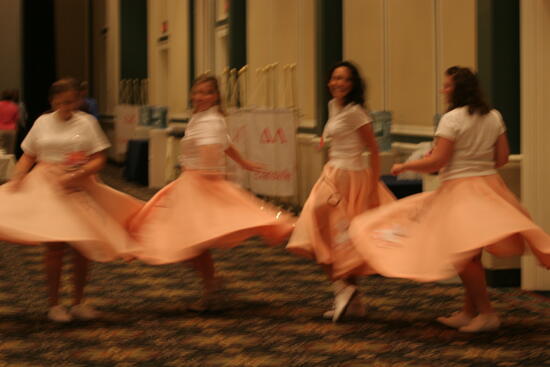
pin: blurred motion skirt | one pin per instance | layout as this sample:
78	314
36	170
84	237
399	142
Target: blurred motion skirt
92	219
430	236
197	212
322	230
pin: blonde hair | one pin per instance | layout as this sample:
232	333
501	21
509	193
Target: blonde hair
209	78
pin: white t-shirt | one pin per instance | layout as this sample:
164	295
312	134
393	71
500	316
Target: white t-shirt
474	139
53	140
205	130
346	145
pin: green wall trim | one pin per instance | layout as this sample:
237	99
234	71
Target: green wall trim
133	39
191	43
237	34
329	51
498	23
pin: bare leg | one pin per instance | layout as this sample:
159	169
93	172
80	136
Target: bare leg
53	262
211	284
469	307
345	290
352	280
80	276
477	297
204	265
328	271
327	268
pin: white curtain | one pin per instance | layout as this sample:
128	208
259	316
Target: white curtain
126	119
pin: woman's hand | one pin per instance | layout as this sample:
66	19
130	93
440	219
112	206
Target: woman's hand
397	169
72	180
24	164
253	166
14	184
234	154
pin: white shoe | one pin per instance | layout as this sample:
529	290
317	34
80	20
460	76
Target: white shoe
343	294
456	320
85	312
59	313
356	308
482	322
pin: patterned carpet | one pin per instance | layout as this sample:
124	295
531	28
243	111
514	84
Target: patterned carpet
271	317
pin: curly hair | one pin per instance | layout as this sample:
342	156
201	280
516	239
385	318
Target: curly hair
358	90
466	91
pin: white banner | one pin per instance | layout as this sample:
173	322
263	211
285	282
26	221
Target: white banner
237	126
126	119
267	136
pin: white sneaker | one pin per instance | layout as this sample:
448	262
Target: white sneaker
343	294
85	312
59	313
482	322
456	320
356	308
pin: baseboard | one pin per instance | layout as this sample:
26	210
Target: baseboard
503	277
426	131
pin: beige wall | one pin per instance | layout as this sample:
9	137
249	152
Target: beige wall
71	38
283	31
363	43
457	37
204	36
278	31
110	88
403	47
535	131
10	44
411	62
169	61
99	44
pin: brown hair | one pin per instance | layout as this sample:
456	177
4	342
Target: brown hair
466	91
358	89
64	85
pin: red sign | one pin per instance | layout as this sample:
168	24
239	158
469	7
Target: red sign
268	138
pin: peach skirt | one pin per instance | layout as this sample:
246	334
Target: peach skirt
91	220
430	236
195	213
321	232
